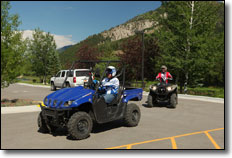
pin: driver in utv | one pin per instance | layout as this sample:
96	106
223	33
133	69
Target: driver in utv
163	76
110	85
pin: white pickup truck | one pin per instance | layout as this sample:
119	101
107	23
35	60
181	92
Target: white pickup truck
77	77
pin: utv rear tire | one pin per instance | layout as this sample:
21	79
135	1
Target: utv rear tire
53	87
132	115
173	101
80	125
41	124
150	101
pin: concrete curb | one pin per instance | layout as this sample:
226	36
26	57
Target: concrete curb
196	97
35	108
26	84
20	109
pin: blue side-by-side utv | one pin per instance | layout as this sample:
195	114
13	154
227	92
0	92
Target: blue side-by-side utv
78	108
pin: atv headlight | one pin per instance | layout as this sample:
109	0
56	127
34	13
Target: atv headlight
169	88
153	88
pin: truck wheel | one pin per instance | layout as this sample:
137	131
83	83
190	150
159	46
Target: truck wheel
132	115
41	124
67	85
149	101
80	125
53	87
173	101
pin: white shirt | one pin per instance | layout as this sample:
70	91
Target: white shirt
111	86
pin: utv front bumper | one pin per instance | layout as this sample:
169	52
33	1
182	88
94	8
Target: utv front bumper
54	117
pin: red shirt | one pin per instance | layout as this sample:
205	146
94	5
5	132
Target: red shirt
164	75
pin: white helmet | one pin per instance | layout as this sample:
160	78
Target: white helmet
111	70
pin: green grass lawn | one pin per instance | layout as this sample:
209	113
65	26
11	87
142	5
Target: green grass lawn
18	102
31	80
207	91
203	91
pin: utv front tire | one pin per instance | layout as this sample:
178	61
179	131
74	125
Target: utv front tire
150	101
80	125
173	101
132	115
41	124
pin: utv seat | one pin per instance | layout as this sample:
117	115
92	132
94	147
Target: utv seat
117	98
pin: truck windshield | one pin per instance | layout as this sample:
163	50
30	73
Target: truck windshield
82	73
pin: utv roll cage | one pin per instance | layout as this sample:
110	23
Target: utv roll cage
92	64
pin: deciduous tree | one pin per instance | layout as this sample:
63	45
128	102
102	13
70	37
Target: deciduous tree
185	31
12	46
45	58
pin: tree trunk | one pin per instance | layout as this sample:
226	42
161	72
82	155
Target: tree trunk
181	88
188	47
186	83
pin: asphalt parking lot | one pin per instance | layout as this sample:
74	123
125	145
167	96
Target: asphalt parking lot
192	125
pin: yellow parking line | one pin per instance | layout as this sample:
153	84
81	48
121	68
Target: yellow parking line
174	146
149	141
197	132
128	146
212	140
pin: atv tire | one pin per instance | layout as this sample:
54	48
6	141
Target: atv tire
150	101
173	101
53	87
132	115
80	125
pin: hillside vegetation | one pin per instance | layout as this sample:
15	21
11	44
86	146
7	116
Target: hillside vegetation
194	54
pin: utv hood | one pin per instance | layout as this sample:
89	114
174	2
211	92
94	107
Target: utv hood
61	96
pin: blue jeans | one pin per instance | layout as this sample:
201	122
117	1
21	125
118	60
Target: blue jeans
108	97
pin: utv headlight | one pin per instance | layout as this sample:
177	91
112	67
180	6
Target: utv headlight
169	88
54	103
46	100
68	103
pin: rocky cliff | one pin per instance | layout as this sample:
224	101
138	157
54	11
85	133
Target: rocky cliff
127	29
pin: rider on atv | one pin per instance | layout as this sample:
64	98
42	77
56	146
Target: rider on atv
164	76
163	92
